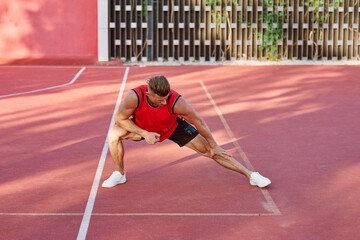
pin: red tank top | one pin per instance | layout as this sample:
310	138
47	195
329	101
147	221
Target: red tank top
151	118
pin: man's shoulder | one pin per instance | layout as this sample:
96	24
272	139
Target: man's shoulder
141	87
172	91
140	91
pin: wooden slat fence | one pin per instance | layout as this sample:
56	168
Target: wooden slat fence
230	30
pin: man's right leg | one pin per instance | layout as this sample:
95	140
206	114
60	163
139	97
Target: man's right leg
115	137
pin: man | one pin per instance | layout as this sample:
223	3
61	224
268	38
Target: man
160	113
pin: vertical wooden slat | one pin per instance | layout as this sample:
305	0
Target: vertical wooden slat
317	29
186	23
350	39
285	30
243	30
171	32
127	30
330	36
347	53
160	25
112	29
326	33
166	30
281	46
250	43
216	38
155	36
130	36
144	32
202	31
191	31
137	30
160	32
149	31
336	36
207	11
176	17
197	20
138	42
133	35
306	33
246	26
356	30
342	28
291	37
122	30
301	34
233	20
296	30
212	34
228	32
353	30
254	31
181	31
223	29
238	28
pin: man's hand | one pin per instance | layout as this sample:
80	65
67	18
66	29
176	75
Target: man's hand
218	151
152	137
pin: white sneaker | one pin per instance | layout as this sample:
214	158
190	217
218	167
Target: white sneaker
257	180
115	179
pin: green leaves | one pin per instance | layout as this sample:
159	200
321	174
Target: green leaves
273	33
220	16
319	16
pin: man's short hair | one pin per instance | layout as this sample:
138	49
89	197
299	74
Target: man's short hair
159	85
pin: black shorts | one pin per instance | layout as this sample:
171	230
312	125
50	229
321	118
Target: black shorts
183	133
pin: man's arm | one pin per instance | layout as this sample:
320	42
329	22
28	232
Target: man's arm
190	115
126	109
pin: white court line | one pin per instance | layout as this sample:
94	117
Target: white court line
59	66
39	66
41	214
265	192
90	204
185	214
48	88
140	214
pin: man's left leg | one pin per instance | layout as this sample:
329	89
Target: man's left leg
200	145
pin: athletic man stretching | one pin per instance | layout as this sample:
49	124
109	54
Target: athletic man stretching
158	113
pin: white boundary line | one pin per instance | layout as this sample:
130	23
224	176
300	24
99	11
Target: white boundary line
140	214
41	214
60	66
40	66
265	192
183	214
48	88
90	203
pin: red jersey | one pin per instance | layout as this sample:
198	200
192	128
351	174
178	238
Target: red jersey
157	119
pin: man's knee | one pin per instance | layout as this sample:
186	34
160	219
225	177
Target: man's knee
200	145
116	133
205	151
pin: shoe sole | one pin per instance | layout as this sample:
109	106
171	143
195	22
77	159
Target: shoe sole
110	186
260	186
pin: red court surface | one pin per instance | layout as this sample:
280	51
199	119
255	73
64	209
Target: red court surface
297	125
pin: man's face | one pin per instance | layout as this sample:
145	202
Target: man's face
157	100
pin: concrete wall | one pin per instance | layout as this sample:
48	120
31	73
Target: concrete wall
48	29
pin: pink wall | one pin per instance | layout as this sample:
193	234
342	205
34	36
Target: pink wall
48	29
